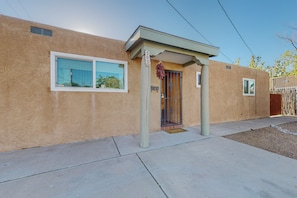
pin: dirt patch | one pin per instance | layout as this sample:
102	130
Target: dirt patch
271	139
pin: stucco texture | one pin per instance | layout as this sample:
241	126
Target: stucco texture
33	115
227	102
283	82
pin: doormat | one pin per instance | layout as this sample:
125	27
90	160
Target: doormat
176	130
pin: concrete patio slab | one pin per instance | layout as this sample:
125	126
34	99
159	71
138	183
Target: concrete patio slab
130	144
23	163
119	177
175	165
218	167
228	128
221	130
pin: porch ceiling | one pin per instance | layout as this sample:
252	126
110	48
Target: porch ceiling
173	57
167	47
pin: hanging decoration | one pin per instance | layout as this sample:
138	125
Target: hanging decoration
160	70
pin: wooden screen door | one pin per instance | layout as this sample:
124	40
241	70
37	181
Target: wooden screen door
171	99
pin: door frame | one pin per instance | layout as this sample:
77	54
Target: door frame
171	106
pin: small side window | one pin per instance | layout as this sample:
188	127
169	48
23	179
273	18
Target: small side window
198	79
249	87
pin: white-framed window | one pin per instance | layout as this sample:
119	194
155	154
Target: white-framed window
249	87
71	72
198	79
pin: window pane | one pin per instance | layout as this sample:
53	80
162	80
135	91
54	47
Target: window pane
47	32
252	86
198	79
35	30
109	75
246	86
42	31
74	73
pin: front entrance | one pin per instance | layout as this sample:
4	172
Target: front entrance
171	99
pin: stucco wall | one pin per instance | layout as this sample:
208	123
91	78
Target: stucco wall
282	82
227	102
33	115
191	96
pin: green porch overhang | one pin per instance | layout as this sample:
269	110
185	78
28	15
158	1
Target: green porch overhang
168	48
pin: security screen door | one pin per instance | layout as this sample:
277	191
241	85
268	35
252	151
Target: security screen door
171	100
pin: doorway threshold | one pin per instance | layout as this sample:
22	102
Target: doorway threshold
167	127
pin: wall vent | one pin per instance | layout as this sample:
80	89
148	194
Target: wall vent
228	67
41	31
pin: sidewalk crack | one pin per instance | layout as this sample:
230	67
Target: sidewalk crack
116	146
152	176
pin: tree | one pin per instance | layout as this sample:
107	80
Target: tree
279	69
237	61
257	63
287	61
290	59
112	82
108	82
285	65
291	39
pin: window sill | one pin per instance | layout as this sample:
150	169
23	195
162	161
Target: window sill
72	89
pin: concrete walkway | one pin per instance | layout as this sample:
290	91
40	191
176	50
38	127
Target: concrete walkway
175	165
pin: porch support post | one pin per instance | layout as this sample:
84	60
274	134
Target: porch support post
204	101
145	85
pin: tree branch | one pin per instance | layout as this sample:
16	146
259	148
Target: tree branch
293	43
293	28
289	39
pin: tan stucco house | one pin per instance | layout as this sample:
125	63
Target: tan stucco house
60	86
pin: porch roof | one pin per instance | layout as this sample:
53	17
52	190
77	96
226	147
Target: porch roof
167	47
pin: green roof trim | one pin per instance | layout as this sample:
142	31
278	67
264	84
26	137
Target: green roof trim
142	34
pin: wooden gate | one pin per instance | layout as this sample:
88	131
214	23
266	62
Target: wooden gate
275	104
288	101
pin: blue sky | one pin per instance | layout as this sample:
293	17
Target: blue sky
258	21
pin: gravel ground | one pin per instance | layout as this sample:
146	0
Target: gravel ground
271	139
